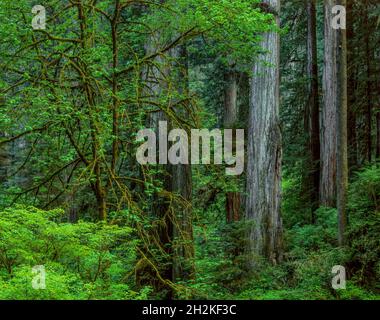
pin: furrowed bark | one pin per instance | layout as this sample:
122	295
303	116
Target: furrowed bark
329	135
263	200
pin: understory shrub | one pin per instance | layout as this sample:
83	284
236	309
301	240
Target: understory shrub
82	261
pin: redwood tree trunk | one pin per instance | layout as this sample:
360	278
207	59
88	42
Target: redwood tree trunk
328	143
233	206
175	210
230	121
155	86
314	134
351	85
230	100
378	134
263	200
181	185
368	133
342	159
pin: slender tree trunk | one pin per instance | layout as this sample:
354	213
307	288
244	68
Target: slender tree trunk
181	184
115	87
378	114
314	134
4	154
328	143
183	248
263	201
366	30
351	85
233	202
101	200
230	121
342	159
230	100
378	134
5	160
97	186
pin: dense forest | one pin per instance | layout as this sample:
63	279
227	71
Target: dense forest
99	198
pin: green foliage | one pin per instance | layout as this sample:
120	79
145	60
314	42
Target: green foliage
229	264
311	249
295	206
82	261
234	27
306	273
321	235
364	229
60	95
355	292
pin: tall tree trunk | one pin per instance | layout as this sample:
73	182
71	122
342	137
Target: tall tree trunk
263	200
100	191
341	108
4	153
230	99
183	248
351	85
230	121
181	184
155	87
368	133
313	105
175	232
328	145
378	133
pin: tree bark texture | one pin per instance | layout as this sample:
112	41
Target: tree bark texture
263	200
330	92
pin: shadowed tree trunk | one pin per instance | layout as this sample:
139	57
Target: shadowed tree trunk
313	105
4	161
351	85
230	121
174	210
342	159
378	122
263	200
368	54
183	248
233	203
155	87
181	185
378	133
230	99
